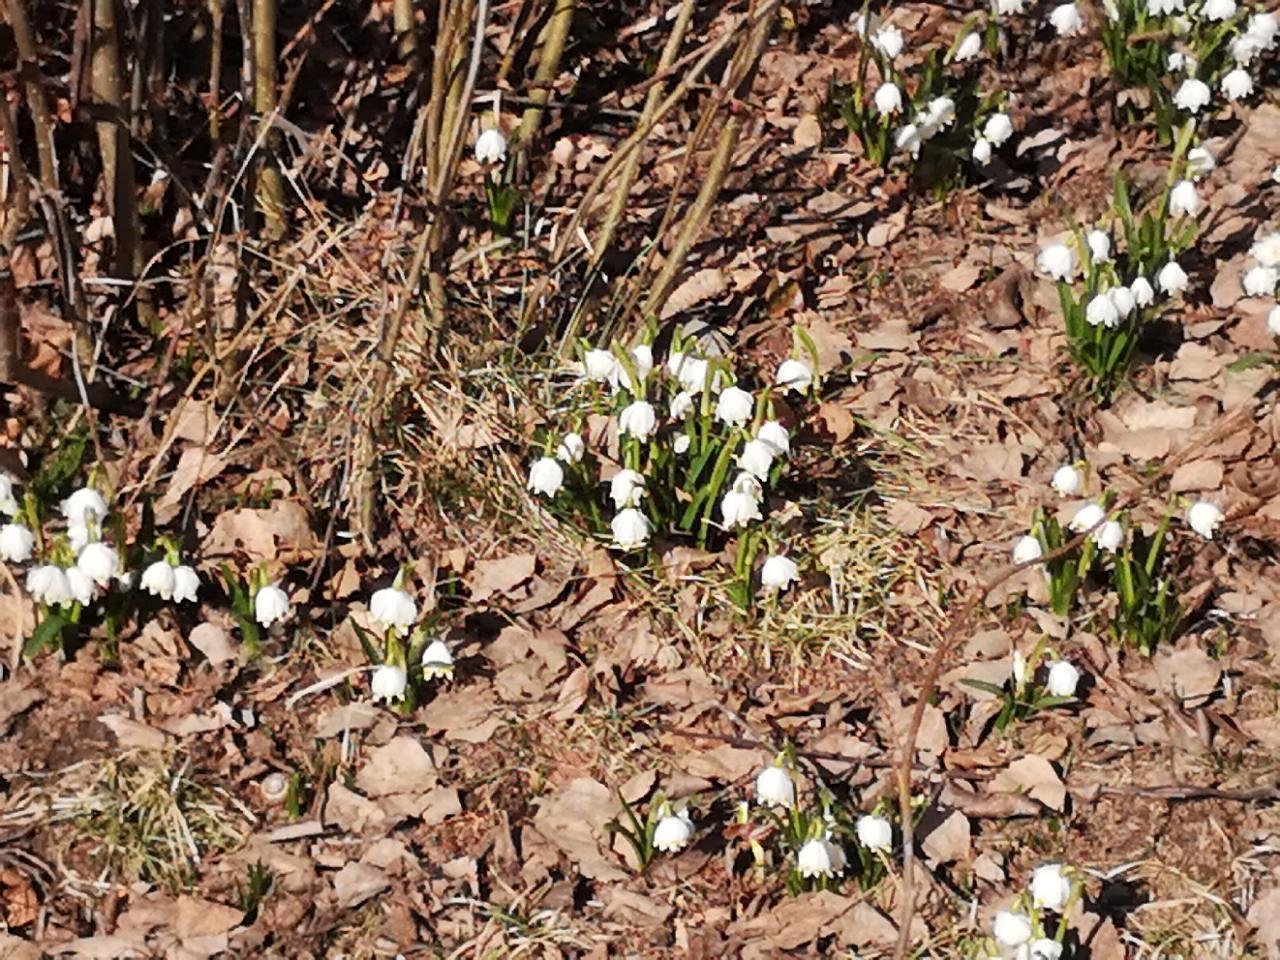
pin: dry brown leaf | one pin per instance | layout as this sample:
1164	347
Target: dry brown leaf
400	765
131	733
573	821
960	277
357	882
949	841
499	575
573	694
1034	776
1265	917
281	530
462	713
204	918
197	465
214	642
703	285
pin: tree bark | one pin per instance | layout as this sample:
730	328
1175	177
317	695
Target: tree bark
114	143
37	103
265	98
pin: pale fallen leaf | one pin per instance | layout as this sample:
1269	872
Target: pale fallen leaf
1265	916
1034	776
400	765
703	285
131	733
960	277
203	918
573	694
357	882
949	841
573	821
213	641
197	465
283	529
499	575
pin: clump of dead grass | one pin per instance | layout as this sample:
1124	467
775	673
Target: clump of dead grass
148	815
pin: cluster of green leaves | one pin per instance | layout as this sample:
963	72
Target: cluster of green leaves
1148	612
1021	696
1138	44
941	156
1151	239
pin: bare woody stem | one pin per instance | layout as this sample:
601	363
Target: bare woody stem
270	182
557	34
37	103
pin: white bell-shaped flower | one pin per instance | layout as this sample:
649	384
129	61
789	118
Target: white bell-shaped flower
16	543
1237	84
1192	95
690	371
1218	10
392	607
746	483
1204	517
681	405
888	99
630	529
48	585
774	787
998	129
738	509
981	150
1260	281
1109	536
1044	949
1143	295
1011	929
735	406
388	683
1172	278
600	366
1063	678
1057	260
1099	245
186	583
1026	549
889	41
874	832
546	476
99	562
8	503
1266	250
85	507
681	444
491	146
673	832
159	580
776	436
794	375
638	419
1087	517
437	661
626	488
571	448
1101	312
1184	201
968	48
1050	887
1067	480
1066	20
1273	321
814	859
1200	163
271	605
778	573
81	585
1122	299
757	458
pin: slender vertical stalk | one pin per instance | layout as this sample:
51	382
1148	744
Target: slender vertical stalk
548	69
37	103
626	178
113	137
406	27
215	69
739	78
16	213
10	328
270	181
